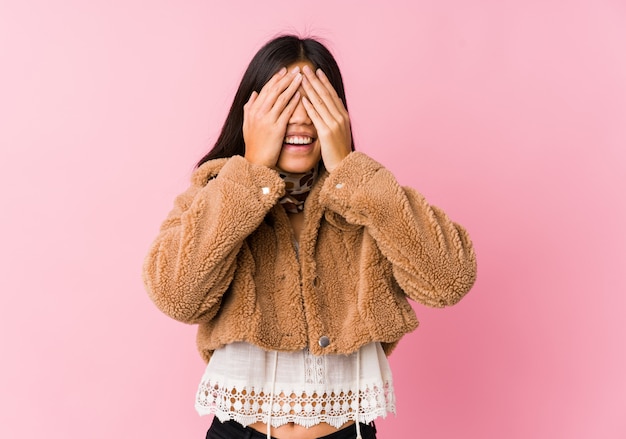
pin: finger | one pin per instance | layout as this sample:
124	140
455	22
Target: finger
326	82
253	97
269	84
271	91
248	105
276	77
335	145
314	85
317	102
318	121
286	96
287	112
327	93
330	96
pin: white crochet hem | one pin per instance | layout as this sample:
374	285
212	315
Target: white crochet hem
335	421
334	408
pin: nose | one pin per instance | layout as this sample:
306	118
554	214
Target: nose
300	116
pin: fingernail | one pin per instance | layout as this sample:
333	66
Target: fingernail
296	69
282	71
319	72
306	69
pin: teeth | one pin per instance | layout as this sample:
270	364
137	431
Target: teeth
298	140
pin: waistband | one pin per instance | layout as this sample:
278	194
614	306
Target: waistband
236	430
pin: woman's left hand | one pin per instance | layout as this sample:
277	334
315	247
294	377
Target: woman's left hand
329	116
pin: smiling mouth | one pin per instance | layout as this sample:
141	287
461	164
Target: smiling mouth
298	140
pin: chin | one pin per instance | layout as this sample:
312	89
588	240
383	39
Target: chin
296	166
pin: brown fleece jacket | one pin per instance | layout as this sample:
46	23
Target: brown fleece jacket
224	259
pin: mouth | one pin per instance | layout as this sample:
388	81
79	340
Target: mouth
298	140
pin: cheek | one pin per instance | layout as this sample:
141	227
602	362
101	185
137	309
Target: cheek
318	149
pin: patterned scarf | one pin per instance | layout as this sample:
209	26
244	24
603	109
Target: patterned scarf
297	188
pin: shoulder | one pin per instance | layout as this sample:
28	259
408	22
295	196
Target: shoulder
207	171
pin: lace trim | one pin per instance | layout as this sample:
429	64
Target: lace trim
313	368
335	407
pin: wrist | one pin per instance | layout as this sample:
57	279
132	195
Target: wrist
261	161
334	162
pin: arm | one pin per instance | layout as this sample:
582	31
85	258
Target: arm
193	259
432	257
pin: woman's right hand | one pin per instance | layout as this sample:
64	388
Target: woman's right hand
266	114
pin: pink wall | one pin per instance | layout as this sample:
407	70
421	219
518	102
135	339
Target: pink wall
510	115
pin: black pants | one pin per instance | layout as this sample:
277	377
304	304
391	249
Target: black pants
234	430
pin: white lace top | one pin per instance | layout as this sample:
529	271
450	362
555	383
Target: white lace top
244	383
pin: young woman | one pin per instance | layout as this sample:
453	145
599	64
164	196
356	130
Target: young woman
295	256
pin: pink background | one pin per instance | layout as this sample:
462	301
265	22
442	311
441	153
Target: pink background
511	115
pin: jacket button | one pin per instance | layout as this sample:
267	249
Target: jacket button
324	341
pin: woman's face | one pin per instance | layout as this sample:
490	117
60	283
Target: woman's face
301	150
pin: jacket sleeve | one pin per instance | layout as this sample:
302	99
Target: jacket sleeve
193	259
432	257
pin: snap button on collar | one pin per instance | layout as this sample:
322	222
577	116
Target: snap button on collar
324	341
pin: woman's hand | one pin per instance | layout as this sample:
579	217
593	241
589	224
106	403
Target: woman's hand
266	114
329	116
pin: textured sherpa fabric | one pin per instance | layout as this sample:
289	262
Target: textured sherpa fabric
224	259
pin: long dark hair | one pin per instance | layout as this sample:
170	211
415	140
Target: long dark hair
277	53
